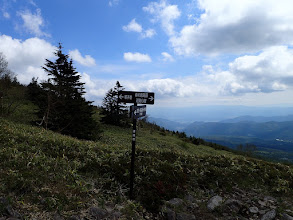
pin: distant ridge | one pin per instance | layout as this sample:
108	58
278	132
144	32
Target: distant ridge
168	124
258	119
266	130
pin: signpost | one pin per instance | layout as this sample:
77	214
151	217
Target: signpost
135	112
136	97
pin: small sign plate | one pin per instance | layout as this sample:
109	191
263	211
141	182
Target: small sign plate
138	111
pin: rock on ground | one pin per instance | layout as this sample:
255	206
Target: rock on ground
269	215
214	202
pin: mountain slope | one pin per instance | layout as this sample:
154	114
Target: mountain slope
43	172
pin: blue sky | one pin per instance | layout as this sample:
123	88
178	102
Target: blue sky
190	53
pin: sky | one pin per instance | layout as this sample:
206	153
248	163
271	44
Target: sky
189	53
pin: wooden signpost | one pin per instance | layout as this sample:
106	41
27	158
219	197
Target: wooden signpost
136	97
135	112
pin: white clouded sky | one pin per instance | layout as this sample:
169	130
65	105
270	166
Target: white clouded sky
137	57
188	52
33	22
85	61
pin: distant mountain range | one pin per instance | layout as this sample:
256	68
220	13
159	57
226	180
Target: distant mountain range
266	130
217	113
214	126
274	132
259	119
170	125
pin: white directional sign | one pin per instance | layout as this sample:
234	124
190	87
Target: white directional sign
136	97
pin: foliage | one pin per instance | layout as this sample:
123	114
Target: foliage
5	72
12	93
115	113
62	106
67	174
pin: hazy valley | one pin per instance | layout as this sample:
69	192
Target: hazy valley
271	135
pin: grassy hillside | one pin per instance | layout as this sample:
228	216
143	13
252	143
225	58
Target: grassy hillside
43	172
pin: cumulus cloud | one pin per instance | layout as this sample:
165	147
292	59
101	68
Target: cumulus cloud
231	27
167	57
269	71
149	33
137	57
246	78
96	89
25	58
164	13
33	23
85	61
133	26
167	87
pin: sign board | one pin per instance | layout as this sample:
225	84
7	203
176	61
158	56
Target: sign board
136	97
138	111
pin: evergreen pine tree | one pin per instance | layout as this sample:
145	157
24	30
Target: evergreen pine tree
114	112
66	109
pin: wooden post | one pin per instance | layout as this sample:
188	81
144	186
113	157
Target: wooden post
132	157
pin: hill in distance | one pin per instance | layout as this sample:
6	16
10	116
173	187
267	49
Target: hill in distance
259	119
168	124
217	113
271	135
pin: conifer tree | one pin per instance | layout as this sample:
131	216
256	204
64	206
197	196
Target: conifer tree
66	109
114	112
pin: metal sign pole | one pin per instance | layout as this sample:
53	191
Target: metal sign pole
136	112
132	156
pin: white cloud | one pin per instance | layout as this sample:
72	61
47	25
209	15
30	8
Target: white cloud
26	58
6	15
149	33
33	23
270	71
85	61
167	57
96	89
173	87
133	26
113	2
137	57
255	79
230	26
5	5
163	88
32	3
88	81
165	14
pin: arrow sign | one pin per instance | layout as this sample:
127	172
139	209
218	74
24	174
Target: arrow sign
136	97
137	111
